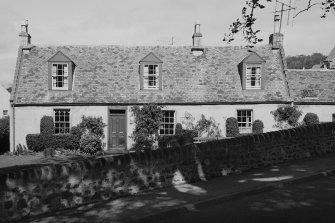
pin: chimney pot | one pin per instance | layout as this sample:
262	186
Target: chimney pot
197	48
25	38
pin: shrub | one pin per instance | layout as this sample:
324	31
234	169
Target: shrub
257	126
39	142
92	125
208	127
286	116
179	129
311	119
184	138
4	134
77	131
147	121
90	143
49	152
232	127
47	126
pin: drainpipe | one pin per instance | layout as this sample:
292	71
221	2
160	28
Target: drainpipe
12	127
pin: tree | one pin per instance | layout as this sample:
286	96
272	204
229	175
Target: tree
248	20
302	61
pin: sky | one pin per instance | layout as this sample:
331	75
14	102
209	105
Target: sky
150	22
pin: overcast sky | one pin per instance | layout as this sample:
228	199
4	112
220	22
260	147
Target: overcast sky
148	22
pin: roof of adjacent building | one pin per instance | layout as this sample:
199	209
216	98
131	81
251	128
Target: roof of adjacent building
312	85
110	74
331	55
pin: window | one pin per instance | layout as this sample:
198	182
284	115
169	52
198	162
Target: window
151	76
62	121
167	125
244	119
253	77
5	112
60	74
333	117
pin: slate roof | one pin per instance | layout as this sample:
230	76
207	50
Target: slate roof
331	55
317	85
110	74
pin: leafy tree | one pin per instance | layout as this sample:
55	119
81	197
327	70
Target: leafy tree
248	20
286	116
304	61
93	125
147	122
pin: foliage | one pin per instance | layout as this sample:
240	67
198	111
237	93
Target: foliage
188	121
21	150
49	152
245	25
47	126
39	142
90	143
185	137
304	61
179	129
286	116
311	119
147	120
4	134
93	125
208	127
232	127
77	131
257	126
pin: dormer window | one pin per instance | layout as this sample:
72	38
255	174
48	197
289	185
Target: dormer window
151	76
251	71
151	73
253	76
60	76
61	71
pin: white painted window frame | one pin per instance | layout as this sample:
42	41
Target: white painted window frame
256	76
146	76
163	122
247	129
54	116
65	76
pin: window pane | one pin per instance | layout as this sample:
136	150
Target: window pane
167	123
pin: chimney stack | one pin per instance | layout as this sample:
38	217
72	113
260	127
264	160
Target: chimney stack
197	48
24	36
276	40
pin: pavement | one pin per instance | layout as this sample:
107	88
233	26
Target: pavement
182	198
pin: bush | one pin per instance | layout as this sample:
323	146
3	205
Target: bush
184	138
90	143
208	127
4	134
39	142
49	152
47	126
286	116
257	126
77	131
311	119
92	125
179	129
232	127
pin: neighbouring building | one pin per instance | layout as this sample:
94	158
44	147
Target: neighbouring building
67	82
4	102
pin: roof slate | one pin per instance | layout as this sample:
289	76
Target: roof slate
110	74
321	82
331	55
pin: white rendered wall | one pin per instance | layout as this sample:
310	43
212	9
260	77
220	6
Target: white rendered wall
324	112
27	119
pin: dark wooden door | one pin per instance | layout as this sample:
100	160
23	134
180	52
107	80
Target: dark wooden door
117	129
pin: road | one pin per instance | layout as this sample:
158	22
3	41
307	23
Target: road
312	201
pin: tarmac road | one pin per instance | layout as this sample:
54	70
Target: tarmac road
312	201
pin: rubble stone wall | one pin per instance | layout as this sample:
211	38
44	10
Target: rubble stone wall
30	191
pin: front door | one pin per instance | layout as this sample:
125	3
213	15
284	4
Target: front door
117	129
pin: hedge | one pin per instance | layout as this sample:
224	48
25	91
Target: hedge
232	127
39	142
311	119
257	126
47	125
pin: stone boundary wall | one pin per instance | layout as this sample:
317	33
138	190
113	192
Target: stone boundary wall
43	189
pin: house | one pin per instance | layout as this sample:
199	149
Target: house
67	82
4	102
329	62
